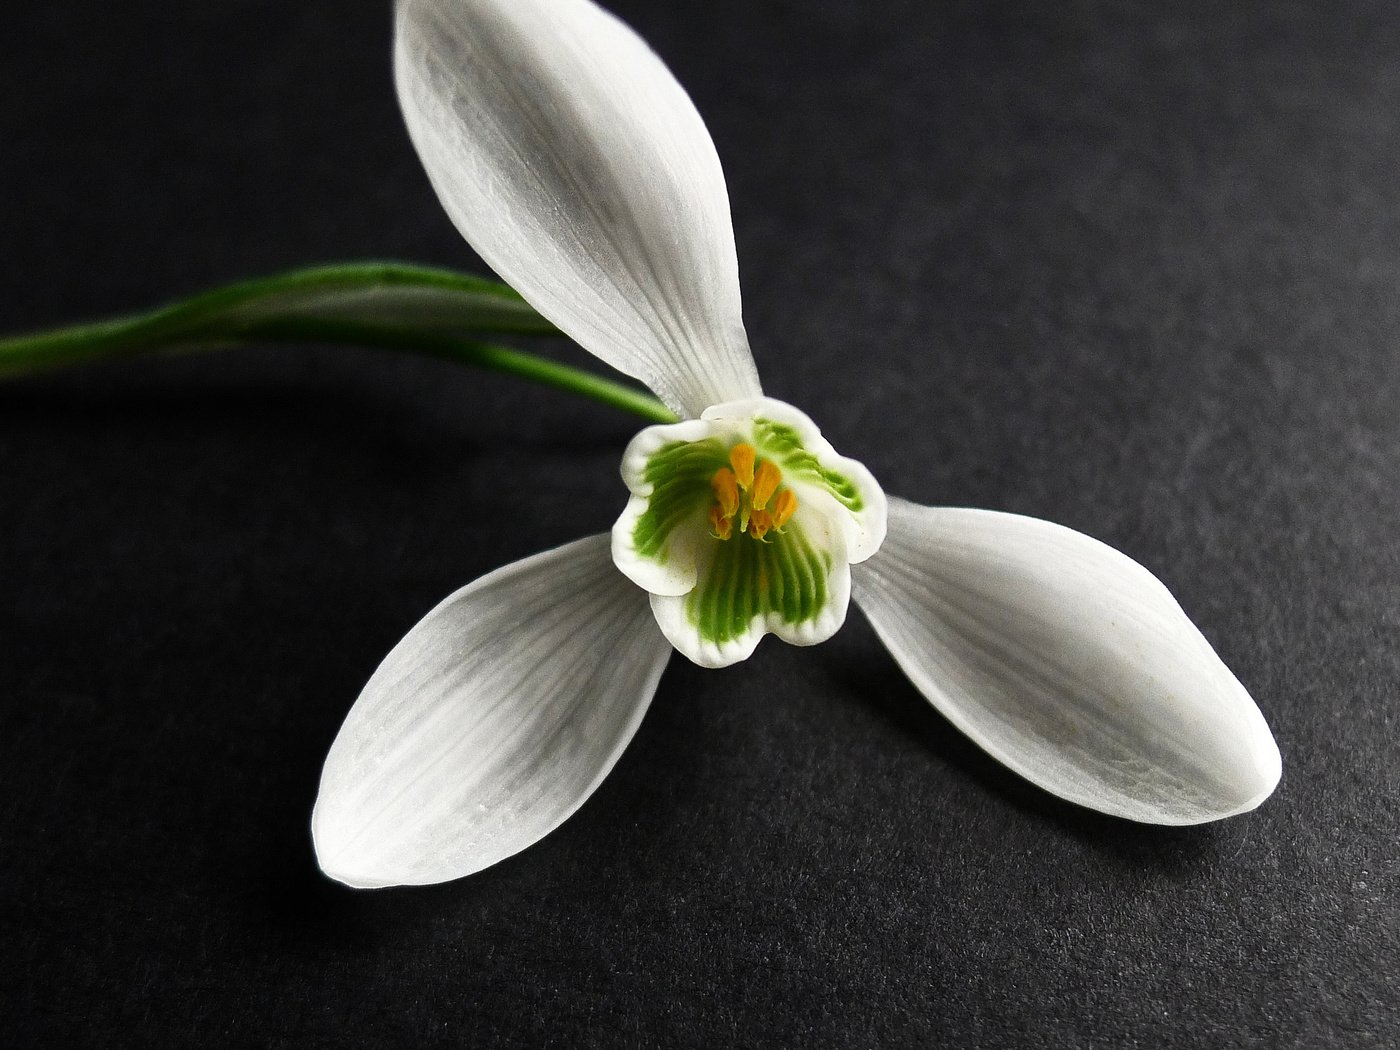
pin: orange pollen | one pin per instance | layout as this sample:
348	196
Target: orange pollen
721	525
765	483
759	524
742	457
783	506
750	494
726	490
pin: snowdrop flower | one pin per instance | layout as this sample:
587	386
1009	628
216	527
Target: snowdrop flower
575	164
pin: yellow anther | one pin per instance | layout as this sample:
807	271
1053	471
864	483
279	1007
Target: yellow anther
721	525
783	506
765	483
759	524
726	491
743	496
743	456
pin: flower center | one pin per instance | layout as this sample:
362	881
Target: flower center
749	489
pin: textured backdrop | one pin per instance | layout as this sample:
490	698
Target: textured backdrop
1132	268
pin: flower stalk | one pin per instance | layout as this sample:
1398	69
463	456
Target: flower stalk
399	307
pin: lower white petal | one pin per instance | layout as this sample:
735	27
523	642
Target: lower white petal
491	722
1067	661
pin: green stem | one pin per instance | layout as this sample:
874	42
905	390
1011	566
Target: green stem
392	306
464	351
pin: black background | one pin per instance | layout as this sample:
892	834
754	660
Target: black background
1129	267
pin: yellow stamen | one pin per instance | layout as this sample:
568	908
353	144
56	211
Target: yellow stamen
743	496
743	456
726	491
721	525
783	507
765	483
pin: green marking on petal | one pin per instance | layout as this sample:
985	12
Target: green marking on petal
784	574
784	443
679	474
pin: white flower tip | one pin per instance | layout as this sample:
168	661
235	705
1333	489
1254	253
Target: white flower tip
333	840
1227	764
1253	772
349	850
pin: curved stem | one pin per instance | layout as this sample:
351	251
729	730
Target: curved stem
392	306
464	351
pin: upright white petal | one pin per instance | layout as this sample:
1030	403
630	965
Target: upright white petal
491	722
578	168
1067	661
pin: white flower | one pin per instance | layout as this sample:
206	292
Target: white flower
578	168
742	522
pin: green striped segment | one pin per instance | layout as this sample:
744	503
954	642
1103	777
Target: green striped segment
783	444
784	574
679	473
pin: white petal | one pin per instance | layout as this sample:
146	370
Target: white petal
1069	662
577	167
491	722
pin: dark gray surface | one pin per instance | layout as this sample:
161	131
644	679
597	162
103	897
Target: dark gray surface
1132	268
